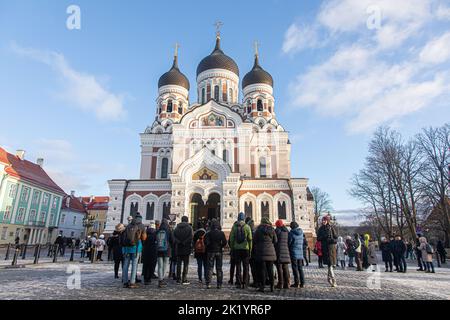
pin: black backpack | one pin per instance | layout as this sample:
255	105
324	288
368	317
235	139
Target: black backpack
240	233
131	235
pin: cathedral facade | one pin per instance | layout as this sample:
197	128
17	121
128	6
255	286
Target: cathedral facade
215	157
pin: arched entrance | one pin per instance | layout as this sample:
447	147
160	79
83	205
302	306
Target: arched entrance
204	212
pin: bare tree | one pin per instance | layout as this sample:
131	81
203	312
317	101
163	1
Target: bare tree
322	203
434	146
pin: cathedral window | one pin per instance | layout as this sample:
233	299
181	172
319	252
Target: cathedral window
216	93
265	210
134	209
203	96
248	210
166	210
249	109
150	213
225	155
262	168
281	210
259	105
169	106
164	168
180	108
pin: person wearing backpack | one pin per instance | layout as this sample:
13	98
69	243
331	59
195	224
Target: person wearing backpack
200	251
164	241
131	241
241	244
427	254
183	236
215	241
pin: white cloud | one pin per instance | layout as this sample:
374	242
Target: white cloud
55	149
82	90
298	38
365	83
437	50
443	12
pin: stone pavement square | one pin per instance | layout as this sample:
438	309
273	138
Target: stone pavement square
49	281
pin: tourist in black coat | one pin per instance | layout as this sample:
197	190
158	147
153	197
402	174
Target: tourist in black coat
215	241
386	253
399	254
441	251
183	236
149	255
283	255
265	254
116	248
328	237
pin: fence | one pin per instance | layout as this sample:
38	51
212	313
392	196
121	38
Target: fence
20	255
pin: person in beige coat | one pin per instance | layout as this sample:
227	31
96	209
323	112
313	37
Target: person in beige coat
427	254
372	255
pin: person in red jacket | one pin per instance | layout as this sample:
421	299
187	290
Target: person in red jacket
318	251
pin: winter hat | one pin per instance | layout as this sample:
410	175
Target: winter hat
120	227
184	219
266	220
294	225
102	236
241	216
279	223
152	224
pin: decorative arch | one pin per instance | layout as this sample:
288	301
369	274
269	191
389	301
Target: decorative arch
132	199
266	199
244	202
162	201
286	199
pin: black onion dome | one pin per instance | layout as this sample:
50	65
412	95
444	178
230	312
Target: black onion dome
217	60
174	77
257	75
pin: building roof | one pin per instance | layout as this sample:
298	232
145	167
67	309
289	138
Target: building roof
257	75
217	60
95	202
174	77
74	204
28	171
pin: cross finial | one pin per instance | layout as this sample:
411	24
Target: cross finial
176	49
256	48
218	25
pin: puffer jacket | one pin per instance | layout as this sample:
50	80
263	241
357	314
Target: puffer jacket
183	235
265	241
327	236
296	244
282	246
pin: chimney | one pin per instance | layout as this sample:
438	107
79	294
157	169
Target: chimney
72	194
40	162
68	202
20	154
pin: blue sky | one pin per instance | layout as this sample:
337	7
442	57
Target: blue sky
79	98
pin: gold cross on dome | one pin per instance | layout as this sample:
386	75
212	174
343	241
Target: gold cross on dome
256	48
176	49
218	25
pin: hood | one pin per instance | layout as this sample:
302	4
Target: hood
200	230
215	225
340	240
283	229
266	229
297	231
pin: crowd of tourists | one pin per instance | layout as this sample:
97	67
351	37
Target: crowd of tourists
256	253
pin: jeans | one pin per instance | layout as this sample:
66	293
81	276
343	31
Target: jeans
297	270
242	260
217	259
127	259
162	265
401	263
99	255
430	266
350	261
232	266
185	261
82	253
283	274
388	265
202	266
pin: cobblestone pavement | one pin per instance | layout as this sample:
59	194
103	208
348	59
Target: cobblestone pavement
49	281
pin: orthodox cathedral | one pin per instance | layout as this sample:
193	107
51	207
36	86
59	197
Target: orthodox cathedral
214	157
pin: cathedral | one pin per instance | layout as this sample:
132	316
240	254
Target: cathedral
214	157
